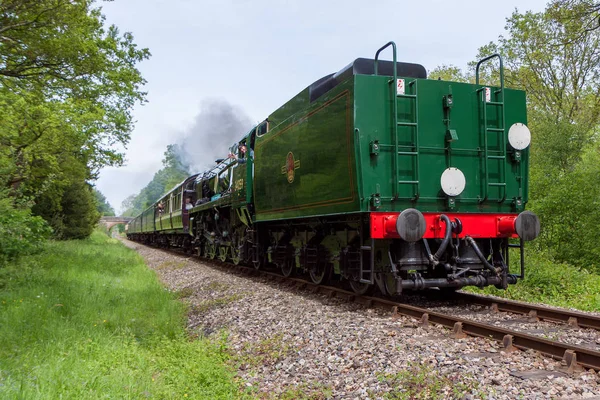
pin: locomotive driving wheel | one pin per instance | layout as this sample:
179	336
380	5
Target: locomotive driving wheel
360	288
223	250
236	254
288	267
320	273
210	250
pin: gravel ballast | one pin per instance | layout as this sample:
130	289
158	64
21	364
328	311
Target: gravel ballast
294	343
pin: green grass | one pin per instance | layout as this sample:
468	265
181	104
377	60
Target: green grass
553	283
88	319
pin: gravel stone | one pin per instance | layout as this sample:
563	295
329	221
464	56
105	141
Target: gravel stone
289	341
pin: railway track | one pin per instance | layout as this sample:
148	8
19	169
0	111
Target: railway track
573	318
575	357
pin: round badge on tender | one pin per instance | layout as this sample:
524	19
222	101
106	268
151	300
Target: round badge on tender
519	136
453	181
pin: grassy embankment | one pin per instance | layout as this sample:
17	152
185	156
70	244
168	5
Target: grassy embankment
552	283
87	319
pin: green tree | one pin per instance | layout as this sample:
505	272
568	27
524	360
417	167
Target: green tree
174	171
553	57
102	205
549	56
450	73
68	84
79	211
69	204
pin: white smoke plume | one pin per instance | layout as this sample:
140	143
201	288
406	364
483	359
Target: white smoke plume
217	126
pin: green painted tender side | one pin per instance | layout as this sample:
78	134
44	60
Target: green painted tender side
374	122
305	164
319	158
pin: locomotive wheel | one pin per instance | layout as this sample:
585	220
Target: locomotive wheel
210	250
320	275
288	268
236	254
390	285
223	250
361	289
257	264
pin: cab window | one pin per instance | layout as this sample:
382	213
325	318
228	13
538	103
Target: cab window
224	180
262	128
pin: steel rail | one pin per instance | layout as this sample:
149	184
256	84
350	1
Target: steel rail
574	356
573	318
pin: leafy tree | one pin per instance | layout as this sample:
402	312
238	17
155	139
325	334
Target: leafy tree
571	212
553	56
174	171
585	11
67	87
556	61
69	204
128	206
547	55
450	73
102	205
79	211
61	62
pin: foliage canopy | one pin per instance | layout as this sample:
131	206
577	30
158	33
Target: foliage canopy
68	84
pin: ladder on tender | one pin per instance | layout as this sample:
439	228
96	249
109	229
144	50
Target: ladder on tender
412	150
494	99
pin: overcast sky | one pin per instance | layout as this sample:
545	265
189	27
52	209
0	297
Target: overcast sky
247	57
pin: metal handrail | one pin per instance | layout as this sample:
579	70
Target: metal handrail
501	69
503	168
395	103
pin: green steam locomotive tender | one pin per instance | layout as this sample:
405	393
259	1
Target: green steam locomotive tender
375	176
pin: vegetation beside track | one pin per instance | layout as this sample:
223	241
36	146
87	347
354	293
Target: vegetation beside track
88	319
553	283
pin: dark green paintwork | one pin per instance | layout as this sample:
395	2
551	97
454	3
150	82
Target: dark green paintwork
336	171
320	137
373	120
338	174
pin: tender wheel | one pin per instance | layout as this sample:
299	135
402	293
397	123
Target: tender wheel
288	268
321	273
361	289
390	285
223	250
210	250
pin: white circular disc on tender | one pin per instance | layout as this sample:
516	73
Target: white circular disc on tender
519	136
453	181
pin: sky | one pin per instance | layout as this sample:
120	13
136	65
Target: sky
219	66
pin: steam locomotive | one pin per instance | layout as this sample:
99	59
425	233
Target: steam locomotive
373	176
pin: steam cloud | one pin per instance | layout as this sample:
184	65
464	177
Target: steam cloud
217	126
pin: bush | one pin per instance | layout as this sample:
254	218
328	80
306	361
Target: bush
569	213
551	282
20	232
